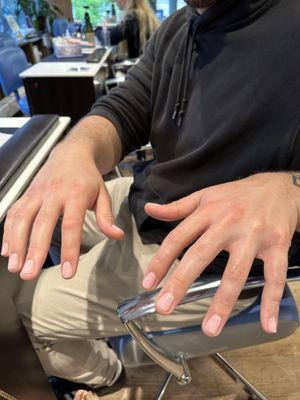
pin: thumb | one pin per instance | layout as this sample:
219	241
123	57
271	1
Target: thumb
176	210
104	215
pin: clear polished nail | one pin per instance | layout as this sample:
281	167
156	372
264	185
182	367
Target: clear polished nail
166	301
28	268
149	281
4	250
213	324
272	325
67	270
13	262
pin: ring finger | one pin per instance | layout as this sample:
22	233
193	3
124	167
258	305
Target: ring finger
234	277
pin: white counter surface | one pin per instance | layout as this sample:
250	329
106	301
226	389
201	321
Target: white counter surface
77	69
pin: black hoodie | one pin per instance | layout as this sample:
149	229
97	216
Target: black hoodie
232	76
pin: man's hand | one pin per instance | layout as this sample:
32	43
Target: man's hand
67	185
251	218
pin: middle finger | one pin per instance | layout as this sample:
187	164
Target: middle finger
40	239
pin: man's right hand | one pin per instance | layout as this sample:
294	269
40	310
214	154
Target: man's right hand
67	185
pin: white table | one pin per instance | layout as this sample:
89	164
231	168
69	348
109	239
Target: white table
63	88
18	182
57	69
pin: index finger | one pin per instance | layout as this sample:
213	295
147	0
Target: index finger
195	260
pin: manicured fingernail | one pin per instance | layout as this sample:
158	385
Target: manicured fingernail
28	268
116	228
272	325
67	270
213	324
149	280
166	301
13	262
4	250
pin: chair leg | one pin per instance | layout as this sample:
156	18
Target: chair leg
163	386
253	393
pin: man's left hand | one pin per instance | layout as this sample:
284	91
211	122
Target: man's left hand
254	217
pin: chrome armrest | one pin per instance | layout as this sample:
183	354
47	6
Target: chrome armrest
131	310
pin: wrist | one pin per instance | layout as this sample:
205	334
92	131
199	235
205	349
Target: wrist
96	139
285	185
293	180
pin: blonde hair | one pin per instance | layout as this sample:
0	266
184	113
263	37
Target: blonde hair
148	22
146	17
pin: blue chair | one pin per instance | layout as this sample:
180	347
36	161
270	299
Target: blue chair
74	27
173	348
12	62
59	27
7	40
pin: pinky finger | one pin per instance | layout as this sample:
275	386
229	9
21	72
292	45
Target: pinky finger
275	270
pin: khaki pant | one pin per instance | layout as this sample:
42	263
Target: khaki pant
66	318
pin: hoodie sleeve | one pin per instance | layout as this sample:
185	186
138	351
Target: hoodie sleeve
128	106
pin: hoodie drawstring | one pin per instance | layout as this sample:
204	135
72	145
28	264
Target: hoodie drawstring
182	92
179	90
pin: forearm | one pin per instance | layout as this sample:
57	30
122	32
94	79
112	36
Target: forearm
95	137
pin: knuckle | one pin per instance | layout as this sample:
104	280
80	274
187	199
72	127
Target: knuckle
173	238
179	282
208	208
106	215
198	251
21	214
208	195
158	265
279	282
257	227
11	213
33	248
275	303
43	218
78	187
156	260
236	272
234	213
35	188
280	236
175	208
224	303
70	223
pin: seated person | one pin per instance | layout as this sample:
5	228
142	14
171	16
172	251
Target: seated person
134	30
216	95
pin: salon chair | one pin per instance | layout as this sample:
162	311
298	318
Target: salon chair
173	348
12	62
7	40
59	27
119	72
